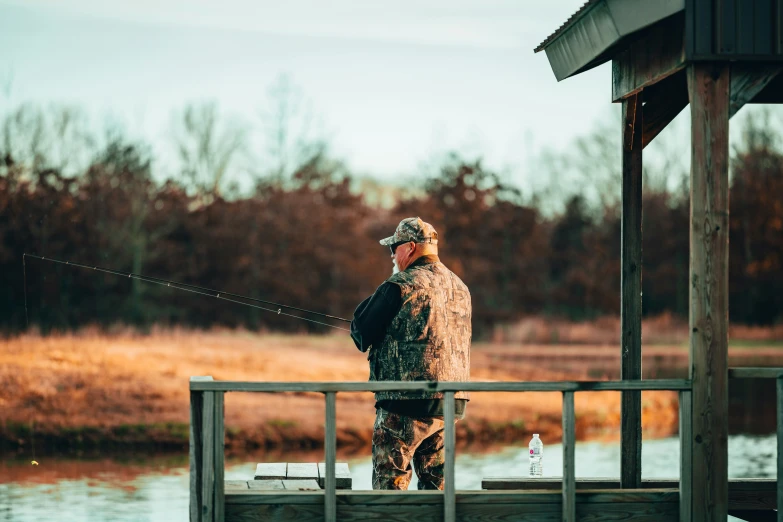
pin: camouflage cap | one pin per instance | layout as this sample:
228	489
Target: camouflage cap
412	229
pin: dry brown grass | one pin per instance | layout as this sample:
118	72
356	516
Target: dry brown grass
89	388
664	329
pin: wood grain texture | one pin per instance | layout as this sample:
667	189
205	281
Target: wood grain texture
208	458
266	484
708	85
271	470
780	448
342	475
301	485
588	496
235	485
686	456
631	292
220	455
661	512
509	386
753	494
662	103
330	502
302	470
747	81
534	484
449	496
569	443
196	445
655	54
660	505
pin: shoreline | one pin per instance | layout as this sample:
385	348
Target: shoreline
92	392
173	438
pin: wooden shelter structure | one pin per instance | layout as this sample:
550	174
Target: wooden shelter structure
717	55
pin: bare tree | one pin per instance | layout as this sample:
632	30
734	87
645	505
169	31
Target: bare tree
292	135
207	145
57	138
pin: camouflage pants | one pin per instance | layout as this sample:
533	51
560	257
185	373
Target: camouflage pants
397	440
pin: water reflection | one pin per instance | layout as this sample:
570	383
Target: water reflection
156	489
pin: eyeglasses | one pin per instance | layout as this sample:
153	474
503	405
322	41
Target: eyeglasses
393	247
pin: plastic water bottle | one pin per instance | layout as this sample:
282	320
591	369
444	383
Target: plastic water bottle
536	448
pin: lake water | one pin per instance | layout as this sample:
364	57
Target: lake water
156	489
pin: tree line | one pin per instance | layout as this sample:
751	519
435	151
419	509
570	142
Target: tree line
305	236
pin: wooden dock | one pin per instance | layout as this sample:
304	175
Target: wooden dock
567	498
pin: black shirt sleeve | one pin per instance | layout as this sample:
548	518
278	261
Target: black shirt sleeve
373	316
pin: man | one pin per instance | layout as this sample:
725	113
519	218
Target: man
416	327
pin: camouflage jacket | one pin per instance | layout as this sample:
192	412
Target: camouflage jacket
429	338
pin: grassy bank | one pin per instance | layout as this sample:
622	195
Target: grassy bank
90	391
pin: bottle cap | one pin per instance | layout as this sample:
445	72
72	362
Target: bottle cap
535	434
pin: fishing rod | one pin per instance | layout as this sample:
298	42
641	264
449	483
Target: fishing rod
218	294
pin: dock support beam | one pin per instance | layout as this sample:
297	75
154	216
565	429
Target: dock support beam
449	493
631	293
330	483
569	458
686	459
708	88
207	451
780	447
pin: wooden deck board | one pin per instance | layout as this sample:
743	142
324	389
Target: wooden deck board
270	471
234	485
302	470
646	505
342	475
268	485
301	485
748	494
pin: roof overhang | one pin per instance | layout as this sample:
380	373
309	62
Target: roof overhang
597	29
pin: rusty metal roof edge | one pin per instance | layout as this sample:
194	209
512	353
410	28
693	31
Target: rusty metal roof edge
568	23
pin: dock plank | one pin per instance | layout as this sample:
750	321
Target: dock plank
592	496
269	485
302	470
342	475
234	485
270	471
301	485
652	505
748	494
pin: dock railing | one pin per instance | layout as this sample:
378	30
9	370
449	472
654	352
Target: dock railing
777	374
207	499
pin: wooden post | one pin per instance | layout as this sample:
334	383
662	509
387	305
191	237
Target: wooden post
449	497
197	451
219	453
208	458
196	448
780	448
708	87
569	443
686	460
330	484
631	293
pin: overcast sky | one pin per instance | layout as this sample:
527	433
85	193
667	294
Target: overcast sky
394	83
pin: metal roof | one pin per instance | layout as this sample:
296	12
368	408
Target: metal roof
587	38
571	19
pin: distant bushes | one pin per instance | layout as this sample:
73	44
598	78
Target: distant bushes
312	242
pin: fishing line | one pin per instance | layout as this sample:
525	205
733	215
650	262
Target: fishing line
197	290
